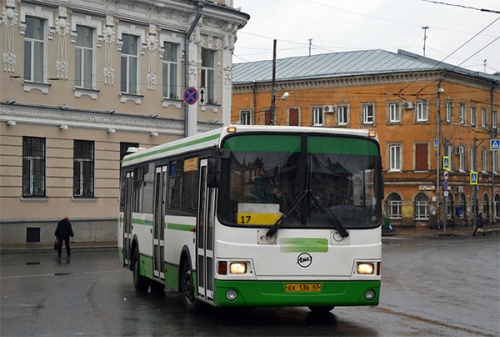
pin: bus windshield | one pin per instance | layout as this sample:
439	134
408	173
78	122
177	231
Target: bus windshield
307	177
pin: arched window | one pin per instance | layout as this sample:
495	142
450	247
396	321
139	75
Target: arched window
463	207
486	206
497	206
421	207
393	207
450	207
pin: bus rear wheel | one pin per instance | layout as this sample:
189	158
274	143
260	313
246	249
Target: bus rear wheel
187	289
320	309
140	282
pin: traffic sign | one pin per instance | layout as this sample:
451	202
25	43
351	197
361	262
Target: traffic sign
203	96
436	143
446	163
495	144
190	95
473	178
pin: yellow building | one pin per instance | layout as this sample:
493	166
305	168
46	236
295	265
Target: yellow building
423	111
85	80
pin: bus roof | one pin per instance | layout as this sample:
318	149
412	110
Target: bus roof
212	138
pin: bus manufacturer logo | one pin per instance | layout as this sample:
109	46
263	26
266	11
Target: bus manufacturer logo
304	260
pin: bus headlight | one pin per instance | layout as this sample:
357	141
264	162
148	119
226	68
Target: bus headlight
238	268
365	268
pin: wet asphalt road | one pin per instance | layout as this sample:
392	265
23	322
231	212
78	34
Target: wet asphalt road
431	287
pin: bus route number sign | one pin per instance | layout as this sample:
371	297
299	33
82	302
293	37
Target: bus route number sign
303	287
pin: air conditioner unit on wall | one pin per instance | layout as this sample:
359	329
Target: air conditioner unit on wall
407	105
328	108
459	150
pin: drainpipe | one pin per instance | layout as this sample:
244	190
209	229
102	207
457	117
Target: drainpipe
186	63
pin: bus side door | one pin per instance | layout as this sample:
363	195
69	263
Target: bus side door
127	217
159	222
205	237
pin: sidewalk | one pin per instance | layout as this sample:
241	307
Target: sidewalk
36	246
433	232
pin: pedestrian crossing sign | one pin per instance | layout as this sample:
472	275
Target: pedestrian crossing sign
473	178
495	144
446	163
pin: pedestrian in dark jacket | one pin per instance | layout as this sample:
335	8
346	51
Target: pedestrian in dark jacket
63	232
479	226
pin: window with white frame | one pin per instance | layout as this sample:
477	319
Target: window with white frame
395	159
33	167
421	207
494	119
462	114
484	160
460	151
484	117
342	115
83	168
449	111
495	163
170	67
129	64
246	117
34	50
208	74
472	157
368	113
84	57
393	209
473	116
317	116
422	109
394	112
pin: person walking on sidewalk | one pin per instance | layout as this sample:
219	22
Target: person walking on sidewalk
479	227
63	232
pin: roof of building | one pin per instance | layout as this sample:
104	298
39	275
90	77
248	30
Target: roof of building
353	63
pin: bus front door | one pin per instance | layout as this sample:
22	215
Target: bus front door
127	217
205	237
159	221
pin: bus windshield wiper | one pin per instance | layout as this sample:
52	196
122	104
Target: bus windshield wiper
291	206
329	214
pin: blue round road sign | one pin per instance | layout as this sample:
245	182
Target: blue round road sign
190	95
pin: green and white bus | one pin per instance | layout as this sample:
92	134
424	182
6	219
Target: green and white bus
256	216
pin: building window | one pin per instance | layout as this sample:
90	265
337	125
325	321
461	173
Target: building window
34	50
33	167
473	116
449	111
170	66
486	207
368	111
462	213
395	157
472	157
393	210
83	168
421	157
484	160
246	117
496	206
317	116
422	111
460	151
494	119
293	117
394	113
421	207
84	57
462	114
495	165
484	117
208	74
129	69
342	115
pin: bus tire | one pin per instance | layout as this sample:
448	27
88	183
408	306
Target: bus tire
187	289
320	309
140	282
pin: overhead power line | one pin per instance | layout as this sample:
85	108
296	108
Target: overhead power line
463	6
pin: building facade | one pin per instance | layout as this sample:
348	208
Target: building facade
437	124
82	82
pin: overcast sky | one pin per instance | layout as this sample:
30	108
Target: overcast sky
457	34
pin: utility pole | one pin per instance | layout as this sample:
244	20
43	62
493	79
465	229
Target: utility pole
425	35
438	158
273	88
310	45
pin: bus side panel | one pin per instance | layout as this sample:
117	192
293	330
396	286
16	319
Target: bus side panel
120	238
142	231
179	233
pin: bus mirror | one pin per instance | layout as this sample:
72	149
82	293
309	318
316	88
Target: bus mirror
212	172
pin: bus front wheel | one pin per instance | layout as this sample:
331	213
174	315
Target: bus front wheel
140	282
187	289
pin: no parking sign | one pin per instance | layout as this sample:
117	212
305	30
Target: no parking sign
190	95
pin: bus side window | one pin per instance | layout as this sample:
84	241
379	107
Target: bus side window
174	189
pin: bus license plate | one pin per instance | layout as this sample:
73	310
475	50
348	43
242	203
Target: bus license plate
303	287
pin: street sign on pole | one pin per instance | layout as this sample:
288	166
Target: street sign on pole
190	95
436	143
446	163
495	144
473	178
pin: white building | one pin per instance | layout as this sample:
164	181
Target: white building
84	80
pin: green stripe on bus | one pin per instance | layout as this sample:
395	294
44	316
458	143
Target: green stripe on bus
304	245
171	148
344	145
180	227
263	143
142	222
